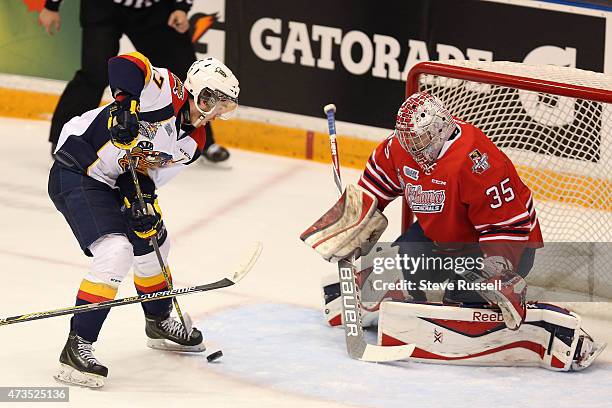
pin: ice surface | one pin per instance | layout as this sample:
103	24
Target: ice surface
278	351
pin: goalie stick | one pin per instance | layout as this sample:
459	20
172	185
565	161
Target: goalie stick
356	345
239	272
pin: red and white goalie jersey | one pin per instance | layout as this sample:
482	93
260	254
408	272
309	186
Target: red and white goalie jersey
473	194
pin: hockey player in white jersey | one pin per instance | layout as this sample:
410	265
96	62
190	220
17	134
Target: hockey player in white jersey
161	121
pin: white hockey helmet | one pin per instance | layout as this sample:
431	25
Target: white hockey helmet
214	88
422	126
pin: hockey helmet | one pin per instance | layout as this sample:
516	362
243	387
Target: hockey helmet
422	126
214	88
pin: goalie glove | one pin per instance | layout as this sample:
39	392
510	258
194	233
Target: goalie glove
123	121
350	228
145	222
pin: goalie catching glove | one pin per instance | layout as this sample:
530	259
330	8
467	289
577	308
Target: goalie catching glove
350	228
145	222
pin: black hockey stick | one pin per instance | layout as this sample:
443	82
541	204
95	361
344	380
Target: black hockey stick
155	244
356	345
239	273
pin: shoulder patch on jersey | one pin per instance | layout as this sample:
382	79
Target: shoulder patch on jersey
480	160
148	129
411	173
177	87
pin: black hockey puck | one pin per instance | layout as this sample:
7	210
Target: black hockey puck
214	356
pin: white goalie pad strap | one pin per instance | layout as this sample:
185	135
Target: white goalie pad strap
353	223
478	336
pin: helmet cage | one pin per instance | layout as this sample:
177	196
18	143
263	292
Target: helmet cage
422	127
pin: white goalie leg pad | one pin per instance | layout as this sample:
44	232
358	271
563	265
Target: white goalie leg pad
374	286
550	337
352	226
332	302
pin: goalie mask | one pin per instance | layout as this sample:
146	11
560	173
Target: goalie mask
422	126
213	87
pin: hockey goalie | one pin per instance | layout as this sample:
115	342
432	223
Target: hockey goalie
473	243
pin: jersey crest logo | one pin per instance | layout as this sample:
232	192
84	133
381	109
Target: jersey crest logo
425	201
480	160
146	158
412	173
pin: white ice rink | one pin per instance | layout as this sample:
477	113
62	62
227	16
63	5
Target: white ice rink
278	350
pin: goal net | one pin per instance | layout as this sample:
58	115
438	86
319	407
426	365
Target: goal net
555	125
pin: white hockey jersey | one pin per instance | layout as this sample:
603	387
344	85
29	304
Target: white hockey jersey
163	148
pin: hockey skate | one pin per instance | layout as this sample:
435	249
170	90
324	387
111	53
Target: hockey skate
78	365
167	333
216	156
216	153
587	351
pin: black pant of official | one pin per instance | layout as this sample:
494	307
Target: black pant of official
103	23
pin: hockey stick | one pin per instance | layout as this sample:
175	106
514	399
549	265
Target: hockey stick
356	345
240	272
153	239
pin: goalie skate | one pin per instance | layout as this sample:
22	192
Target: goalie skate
586	352
78	366
166	333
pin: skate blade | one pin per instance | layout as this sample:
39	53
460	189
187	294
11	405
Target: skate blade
588	360
72	376
163	344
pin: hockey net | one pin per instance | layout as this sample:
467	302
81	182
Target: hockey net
555	125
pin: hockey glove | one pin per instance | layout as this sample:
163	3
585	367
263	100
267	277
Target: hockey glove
145	222
508	290
123	121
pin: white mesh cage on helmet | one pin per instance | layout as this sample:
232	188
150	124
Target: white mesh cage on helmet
422	126
214	88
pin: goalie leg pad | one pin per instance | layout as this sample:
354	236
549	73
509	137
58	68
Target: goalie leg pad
351	227
370	281
550	337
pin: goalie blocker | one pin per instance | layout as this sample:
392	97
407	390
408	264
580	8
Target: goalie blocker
551	337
